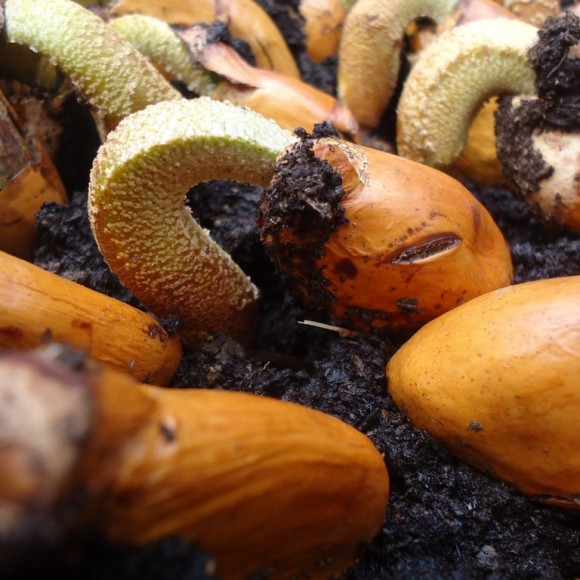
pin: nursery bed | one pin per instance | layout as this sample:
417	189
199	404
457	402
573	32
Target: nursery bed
445	519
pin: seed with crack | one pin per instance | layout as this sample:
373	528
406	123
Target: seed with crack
370	240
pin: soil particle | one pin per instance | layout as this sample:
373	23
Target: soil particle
287	17
299	211
537	251
164	560
558	74
67	247
218	32
521	162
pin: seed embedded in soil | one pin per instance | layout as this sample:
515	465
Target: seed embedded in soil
368	240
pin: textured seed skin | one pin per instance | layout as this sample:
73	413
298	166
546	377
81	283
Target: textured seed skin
262	484
36	306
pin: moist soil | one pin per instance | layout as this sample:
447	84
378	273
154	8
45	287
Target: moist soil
445	519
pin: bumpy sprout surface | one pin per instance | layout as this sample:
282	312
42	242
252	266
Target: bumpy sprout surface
110	73
157	41
142	225
452	79
370	52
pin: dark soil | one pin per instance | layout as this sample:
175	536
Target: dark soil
303	201
445	519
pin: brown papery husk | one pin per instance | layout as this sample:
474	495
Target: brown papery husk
289	101
245	20
498	381
266	486
29	179
37	307
37	183
403	244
